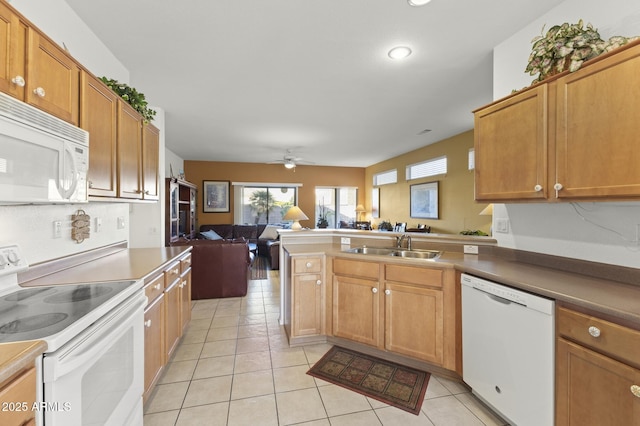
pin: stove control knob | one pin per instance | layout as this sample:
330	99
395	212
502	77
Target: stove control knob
13	257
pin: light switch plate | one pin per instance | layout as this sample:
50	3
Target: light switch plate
502	225
469	249
345	240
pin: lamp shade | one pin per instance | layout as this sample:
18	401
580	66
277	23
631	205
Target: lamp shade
360	208
295	214
487	211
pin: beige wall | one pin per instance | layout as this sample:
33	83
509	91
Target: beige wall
457	209
308	176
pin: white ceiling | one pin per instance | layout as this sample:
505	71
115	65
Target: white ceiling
247	80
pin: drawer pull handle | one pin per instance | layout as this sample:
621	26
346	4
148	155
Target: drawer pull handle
318	282
635	390
387	292
147	323
594	331
175	271
308	265
374	290
157	286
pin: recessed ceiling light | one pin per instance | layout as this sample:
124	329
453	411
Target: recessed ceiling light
399	52
418	2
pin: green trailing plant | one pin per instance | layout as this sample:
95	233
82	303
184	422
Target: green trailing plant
385	225
476	232
567	47
132	97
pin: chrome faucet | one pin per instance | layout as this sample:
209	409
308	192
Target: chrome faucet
400	238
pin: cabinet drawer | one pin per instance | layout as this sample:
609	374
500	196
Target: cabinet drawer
22	393
303	265
154	288
414	275
355	268
171	274
615	340
185	263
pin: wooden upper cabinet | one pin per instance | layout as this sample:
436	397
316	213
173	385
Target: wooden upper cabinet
98	116
573	137
511	148
53	80
150	162
129	152
598	126
13	53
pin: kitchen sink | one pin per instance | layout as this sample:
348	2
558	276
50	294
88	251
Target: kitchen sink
397	252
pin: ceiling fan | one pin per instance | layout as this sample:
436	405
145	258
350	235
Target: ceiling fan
290	161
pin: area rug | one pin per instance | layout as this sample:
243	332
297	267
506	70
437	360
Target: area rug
388	382
259	268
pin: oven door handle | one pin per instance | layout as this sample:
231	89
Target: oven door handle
94	340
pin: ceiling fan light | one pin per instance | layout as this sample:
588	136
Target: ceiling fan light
399	52
289	164
418	3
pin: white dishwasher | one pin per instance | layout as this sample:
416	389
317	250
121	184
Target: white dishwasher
508	350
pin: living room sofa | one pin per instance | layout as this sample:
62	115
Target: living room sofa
219	268
267	244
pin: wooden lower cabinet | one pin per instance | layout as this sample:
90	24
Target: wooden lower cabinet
17	398
154	359
306	293
404	309
597	371
185	292
173	330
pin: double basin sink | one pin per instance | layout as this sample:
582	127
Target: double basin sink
398	252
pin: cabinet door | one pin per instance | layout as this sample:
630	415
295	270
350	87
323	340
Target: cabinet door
598	127
307	298
173	328
53	82
150	161
510	140
593	389
414	322
17	399
13	53
154	344
129	152
356	309
98	115
185	300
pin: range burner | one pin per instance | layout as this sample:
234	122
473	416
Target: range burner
24	294
35	322
79	294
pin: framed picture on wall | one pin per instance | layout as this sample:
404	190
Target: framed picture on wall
424	200
375	202
215	196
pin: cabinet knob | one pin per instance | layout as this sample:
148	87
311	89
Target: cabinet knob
387	292
90	184
635	390
18	80
157	286
147	323
308	265
374	290
537	188
318	282
594	331
39	91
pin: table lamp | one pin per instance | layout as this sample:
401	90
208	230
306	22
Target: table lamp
295	214
360	209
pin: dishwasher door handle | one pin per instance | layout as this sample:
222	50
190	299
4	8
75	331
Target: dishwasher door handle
497	298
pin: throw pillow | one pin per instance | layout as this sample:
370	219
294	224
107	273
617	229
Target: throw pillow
270	233
210	235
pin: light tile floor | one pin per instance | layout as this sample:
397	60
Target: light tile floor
234	367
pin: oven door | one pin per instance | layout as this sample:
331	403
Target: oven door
97	378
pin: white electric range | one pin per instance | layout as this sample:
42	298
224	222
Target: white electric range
93	369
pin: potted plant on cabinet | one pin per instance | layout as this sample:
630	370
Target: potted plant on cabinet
132	97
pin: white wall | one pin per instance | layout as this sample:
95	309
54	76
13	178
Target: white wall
601	232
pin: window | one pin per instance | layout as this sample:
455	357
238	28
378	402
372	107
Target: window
337	206
435	166
384	178
265	204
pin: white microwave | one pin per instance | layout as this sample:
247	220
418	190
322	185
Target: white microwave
42	159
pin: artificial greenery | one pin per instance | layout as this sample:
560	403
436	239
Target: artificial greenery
567	47
385	225
477	232
132	97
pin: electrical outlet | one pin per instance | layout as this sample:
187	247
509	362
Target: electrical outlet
468	249
57	229
120	222
345	240
502	225
98	224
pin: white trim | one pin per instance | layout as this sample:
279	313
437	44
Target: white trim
267	184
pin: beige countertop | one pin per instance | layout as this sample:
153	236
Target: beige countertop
128	264
603	296
17	356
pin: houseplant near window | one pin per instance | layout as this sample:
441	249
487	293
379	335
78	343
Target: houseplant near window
132	97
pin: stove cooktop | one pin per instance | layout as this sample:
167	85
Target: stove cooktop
41	312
